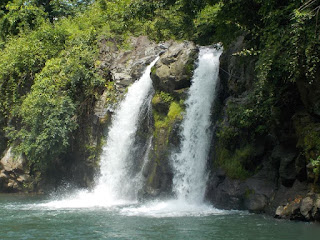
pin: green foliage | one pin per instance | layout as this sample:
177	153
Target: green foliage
48	113
227	134
47	122
206	24
175	111
316	166
255	114
308	134
233	162
22	58
48	83
20	17
162	97
166	121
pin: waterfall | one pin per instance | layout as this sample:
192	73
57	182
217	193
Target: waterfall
118	180
189	164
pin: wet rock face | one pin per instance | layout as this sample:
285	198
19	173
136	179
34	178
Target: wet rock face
175	68
122	68
279	175
286	159
237	74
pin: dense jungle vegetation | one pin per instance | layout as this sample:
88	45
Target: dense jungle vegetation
49	67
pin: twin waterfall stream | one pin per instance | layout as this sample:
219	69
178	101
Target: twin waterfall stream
118	186
113	210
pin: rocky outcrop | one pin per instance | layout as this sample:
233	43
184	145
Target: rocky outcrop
301	208
237	74
174	69
123	67
171	77
14	174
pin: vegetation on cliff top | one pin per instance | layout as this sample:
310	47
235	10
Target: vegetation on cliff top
49	59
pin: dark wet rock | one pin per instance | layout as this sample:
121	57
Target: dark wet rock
316	209
310	93
256	203
171	78
228	193
285	157
237	74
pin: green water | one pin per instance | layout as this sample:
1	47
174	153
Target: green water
25	217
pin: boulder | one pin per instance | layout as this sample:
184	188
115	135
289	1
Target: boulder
279	212
316	209
175	68
226	193
23	178
11	162
13	184
3	174
256	203
127	66
306	207
292	211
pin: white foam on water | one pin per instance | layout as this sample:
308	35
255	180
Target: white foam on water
172	208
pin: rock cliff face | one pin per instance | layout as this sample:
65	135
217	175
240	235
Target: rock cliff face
273	176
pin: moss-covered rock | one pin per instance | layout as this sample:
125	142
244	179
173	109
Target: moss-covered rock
167	115
175	68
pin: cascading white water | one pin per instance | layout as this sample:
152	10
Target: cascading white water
189	164
117	184
116	180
